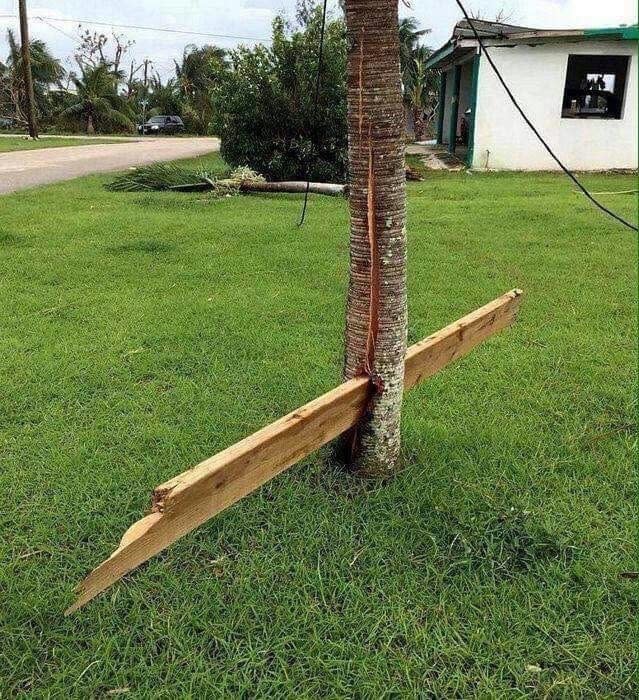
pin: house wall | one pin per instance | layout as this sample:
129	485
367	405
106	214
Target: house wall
537	75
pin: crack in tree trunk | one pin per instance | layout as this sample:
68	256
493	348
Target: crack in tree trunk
373	312
376	318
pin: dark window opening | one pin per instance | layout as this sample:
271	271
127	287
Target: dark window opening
595	87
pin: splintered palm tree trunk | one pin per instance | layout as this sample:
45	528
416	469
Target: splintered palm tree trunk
376	316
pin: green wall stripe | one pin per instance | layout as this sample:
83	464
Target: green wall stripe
441	107
473	111
454	110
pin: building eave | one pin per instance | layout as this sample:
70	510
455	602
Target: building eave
442	53
495	34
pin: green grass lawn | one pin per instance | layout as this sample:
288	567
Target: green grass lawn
142	333
19	143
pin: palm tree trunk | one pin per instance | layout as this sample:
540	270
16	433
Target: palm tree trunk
376	316
419	123
90	127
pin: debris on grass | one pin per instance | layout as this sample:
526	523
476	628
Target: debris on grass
157	177
166	176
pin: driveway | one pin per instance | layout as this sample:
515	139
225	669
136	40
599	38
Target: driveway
20	170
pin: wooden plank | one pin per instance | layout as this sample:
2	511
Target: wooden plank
193	497
432	354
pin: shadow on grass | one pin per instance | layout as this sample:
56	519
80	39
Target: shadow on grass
494	541
11	239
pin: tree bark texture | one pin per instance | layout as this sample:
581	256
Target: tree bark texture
376	315
419	123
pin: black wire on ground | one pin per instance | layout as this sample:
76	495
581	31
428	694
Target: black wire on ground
532	127
318	84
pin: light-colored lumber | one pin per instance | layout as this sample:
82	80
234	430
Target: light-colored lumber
599	194
193	497
456	340
291	187
326	188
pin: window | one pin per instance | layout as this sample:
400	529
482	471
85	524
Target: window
595	87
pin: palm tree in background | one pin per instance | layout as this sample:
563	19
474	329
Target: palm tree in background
45	69
421	91
97	102
409	42
196	76
165	98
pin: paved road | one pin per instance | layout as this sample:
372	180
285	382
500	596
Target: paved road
20	170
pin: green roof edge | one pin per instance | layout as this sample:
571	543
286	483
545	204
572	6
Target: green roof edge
631	32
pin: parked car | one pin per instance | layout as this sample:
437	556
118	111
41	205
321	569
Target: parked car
162	124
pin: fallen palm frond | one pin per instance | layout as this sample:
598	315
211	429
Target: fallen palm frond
165	176
156	177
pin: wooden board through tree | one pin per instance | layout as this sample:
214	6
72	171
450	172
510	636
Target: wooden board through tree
193	497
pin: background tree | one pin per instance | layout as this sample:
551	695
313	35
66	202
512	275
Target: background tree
165	98
96	101
95	49
502	15
421	91
376	318
260	100
266	115
197	75
409	43
420	83
46	70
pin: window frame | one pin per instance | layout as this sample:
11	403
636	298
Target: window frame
618	65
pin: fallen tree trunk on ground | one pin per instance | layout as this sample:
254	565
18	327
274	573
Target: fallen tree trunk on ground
327	188
160	177
193	497
291	187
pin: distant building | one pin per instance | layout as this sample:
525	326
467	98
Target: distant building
578	87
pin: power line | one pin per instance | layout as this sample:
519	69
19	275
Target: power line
57	29
146	28
532	127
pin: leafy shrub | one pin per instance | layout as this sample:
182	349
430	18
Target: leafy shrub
265	112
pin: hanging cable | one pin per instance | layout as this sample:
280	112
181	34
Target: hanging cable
76	39
318	84
532	127
144	28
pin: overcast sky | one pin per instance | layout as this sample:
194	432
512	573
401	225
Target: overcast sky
252	18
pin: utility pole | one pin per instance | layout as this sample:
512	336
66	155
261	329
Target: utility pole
146	72
26	67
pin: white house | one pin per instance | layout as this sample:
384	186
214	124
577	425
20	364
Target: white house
578	87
